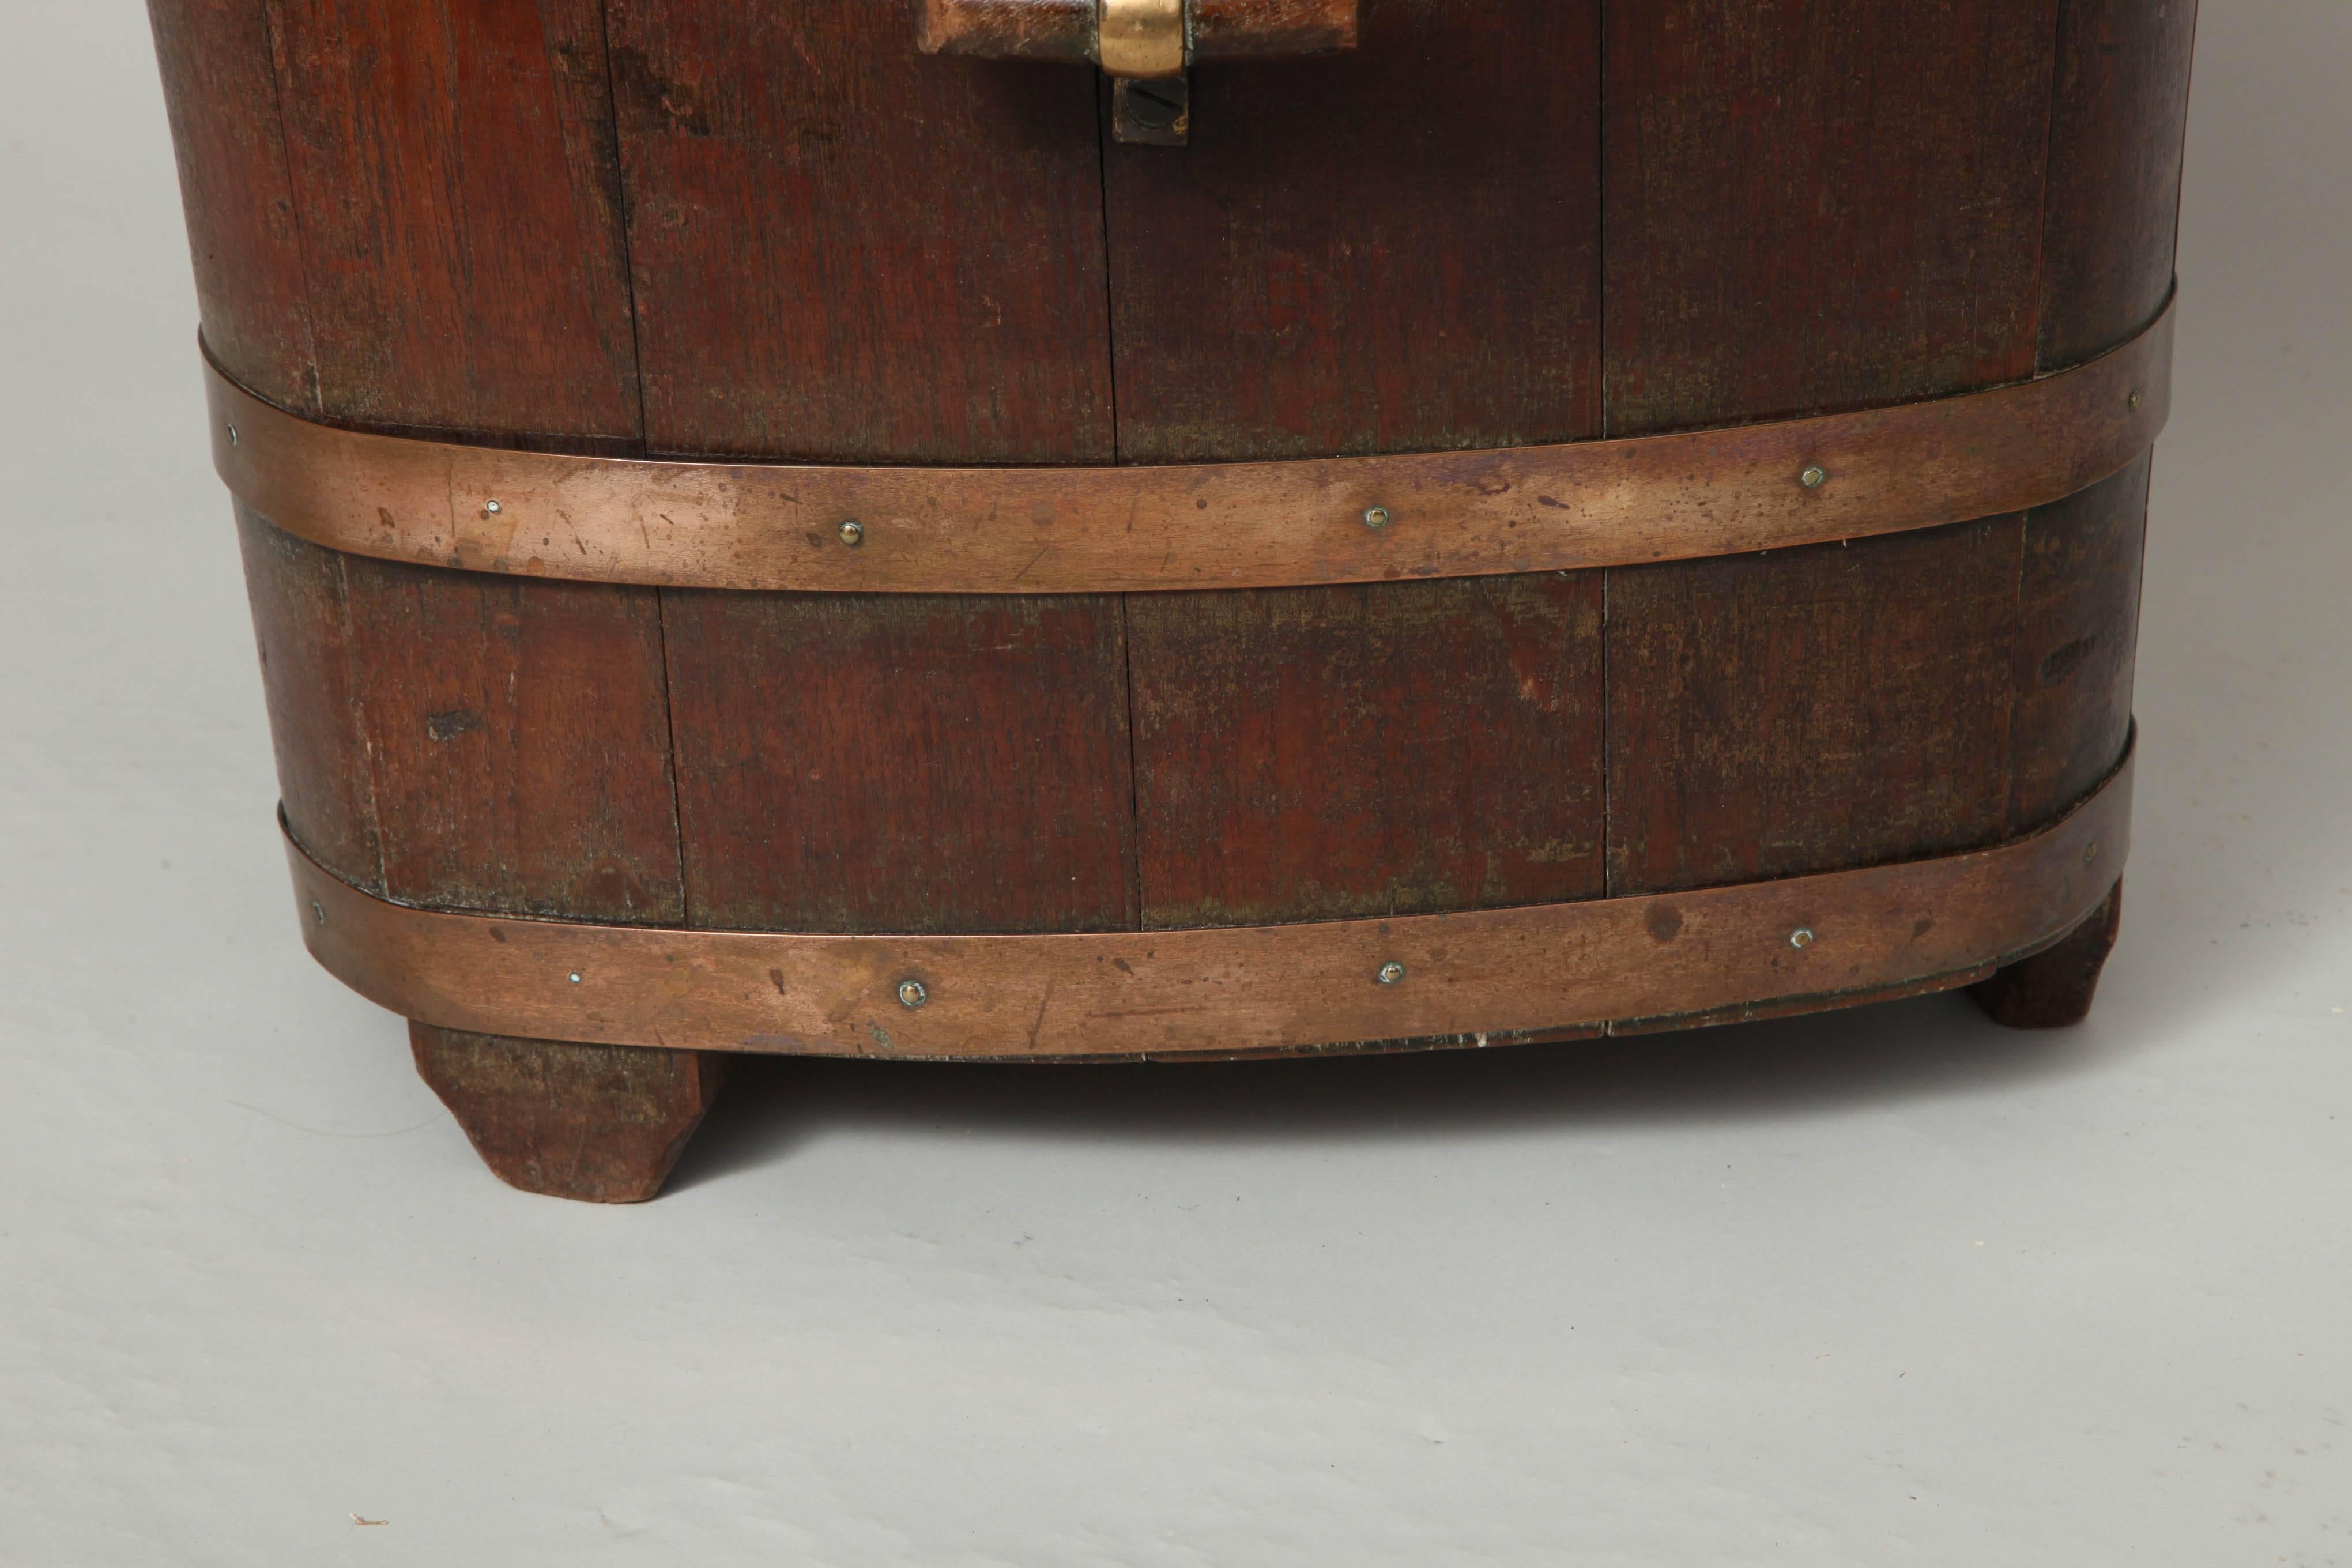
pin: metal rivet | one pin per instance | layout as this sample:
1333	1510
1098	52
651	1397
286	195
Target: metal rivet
1814	477
317	911
1376	517
852	534
2090	851
1392	973
232	434
911	993
575	977
2133	400
492	506
1802	936
1155	103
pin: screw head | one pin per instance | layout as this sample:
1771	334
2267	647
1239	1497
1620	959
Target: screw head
1376	517
2090	851
1392	973
317	912
2133	401
1814	477
575	977
492	506
911	993
1802	936
1155	105
852	534
232	434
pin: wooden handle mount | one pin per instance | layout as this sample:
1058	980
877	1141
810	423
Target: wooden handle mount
1136	39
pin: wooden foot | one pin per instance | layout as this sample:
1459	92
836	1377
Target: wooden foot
601	1123
2052	989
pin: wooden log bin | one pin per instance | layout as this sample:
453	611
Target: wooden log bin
1095	529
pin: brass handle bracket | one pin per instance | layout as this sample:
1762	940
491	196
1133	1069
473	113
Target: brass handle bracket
1146	47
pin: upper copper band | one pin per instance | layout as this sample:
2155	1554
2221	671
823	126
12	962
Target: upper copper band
1221	525
1494	972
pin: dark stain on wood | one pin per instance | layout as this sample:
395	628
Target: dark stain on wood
518	742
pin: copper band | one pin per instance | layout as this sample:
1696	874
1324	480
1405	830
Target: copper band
1497	971
1223	525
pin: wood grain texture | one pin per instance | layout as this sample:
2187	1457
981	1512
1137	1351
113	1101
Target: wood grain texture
221	96
2078	623
518	742
1542	967
1790	233
453	172
1391	250
453	180
1395	749
929	763
302	631
1395	250
1269	29
2122	109
846	249
842	251
1816	204
1007	29
599	1123
1771	715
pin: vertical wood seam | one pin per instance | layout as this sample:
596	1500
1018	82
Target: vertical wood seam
672	764
686	901
1110	290
619	176
1134	765
1136	902
1606	847
358	690
2017	662
1601	280
1608	773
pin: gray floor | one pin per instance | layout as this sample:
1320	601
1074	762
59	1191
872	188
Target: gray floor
1886	1288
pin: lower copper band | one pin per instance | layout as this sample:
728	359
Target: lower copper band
1221	525
1204	992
